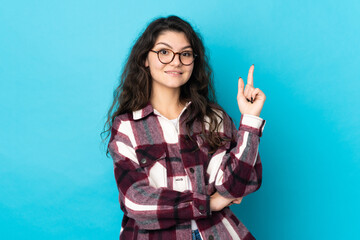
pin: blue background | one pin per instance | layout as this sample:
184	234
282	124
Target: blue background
60	62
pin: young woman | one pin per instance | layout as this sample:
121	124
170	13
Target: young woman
179	160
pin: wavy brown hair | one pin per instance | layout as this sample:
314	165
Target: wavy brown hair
198	89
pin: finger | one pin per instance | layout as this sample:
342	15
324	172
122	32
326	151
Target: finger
237	201
240	199
260	95
250	79
240	88
255	93
248	92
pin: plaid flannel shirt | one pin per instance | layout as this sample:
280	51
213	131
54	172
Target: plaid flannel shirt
165	179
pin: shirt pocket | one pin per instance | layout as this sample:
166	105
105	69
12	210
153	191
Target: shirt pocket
152	159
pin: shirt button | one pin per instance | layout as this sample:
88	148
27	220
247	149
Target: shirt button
192	170
211	237
201	208
143	161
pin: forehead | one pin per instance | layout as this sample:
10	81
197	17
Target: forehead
173	38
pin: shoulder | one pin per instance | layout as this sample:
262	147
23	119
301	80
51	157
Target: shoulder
121	126
122	135
122	118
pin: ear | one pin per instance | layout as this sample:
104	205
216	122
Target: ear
146	62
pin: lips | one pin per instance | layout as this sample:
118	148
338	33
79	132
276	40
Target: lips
175	73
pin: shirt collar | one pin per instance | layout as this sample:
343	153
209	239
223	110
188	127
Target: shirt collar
142	113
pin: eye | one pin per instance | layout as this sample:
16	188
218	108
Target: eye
164	52
187	54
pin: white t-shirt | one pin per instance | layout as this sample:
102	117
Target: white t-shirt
193	223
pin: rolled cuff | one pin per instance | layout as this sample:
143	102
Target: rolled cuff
252	124
201	206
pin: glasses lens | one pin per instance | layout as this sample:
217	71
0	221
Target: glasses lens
165	56
187	57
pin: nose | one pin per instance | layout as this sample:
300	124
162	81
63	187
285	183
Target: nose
176	61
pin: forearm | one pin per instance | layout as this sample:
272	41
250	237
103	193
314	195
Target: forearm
241	169
158	208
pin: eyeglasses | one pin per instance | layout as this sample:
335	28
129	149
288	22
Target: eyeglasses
166	56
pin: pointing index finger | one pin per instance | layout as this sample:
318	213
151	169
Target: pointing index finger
250	80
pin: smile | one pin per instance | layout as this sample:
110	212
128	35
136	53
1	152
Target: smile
175	73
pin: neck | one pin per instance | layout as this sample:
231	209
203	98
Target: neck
167	102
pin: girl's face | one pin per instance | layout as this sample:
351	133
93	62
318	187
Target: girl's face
174	74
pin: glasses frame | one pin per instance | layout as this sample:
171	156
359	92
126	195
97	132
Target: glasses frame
174	54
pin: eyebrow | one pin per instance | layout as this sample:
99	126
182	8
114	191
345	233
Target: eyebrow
171	47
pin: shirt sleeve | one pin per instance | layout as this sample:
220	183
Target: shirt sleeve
150	207
236	167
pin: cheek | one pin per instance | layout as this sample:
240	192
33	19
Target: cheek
155	69
155	65
191	70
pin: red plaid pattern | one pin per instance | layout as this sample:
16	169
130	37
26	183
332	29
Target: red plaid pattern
165	180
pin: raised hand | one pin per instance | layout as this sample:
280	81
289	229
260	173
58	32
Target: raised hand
251	100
